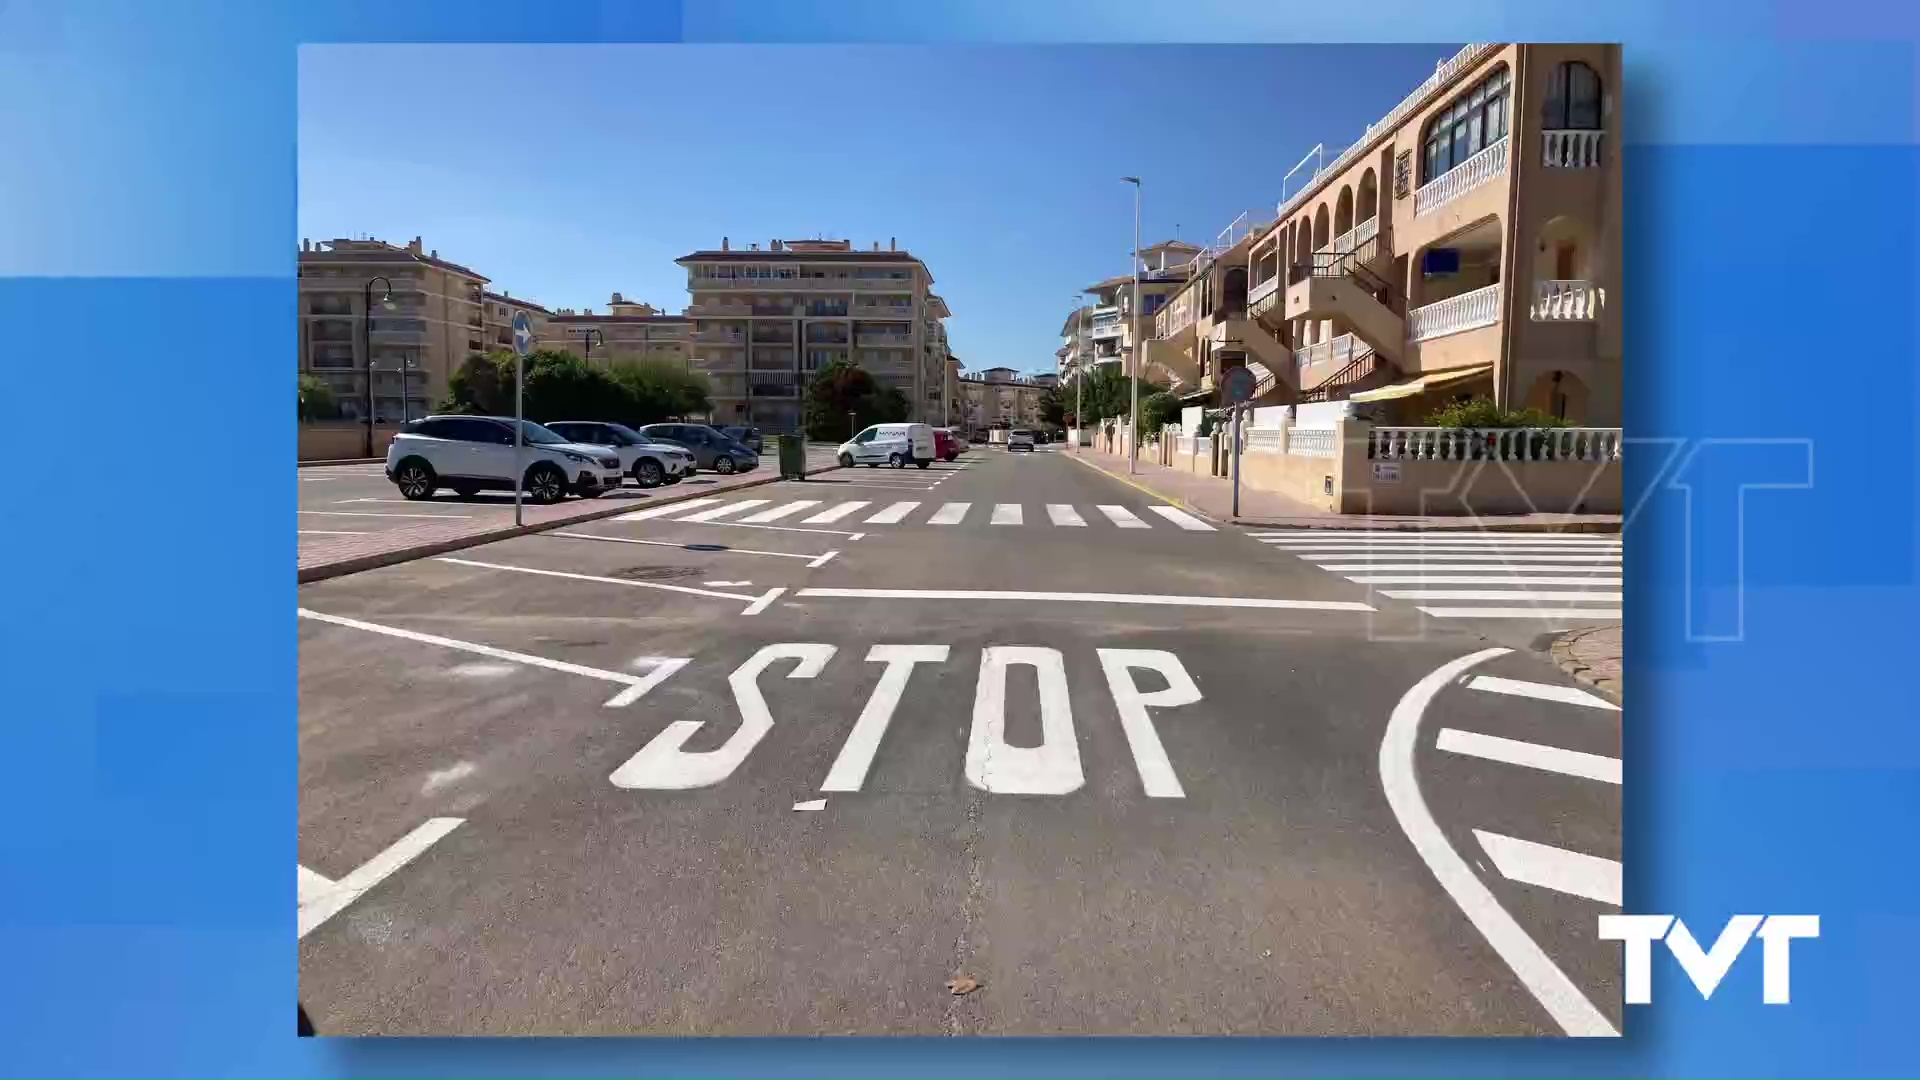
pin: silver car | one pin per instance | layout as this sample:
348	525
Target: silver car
711	448
650	463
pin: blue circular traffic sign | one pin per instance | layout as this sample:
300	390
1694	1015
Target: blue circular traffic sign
522	333
1238	385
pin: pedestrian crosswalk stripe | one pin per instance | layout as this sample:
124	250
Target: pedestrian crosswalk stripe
662	511
1123	517
894	514
1330	550
834	513
1482	578
1560	614
1064	514
949	514
1007	514
778	512
1531	755
1566	695
1413	537
725	510
1181	518
1363	560
1501	594
1549	867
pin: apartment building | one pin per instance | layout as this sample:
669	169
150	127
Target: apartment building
764	319
935	360
1002	397
1105	335
630	331
427	316
499	310
1467	246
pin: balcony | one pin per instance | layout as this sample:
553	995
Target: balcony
1566	301
771	363
1107	332
884	341
720	337
778	311
730	310
764	338
1323	360
883	311
1456	314
1570	149
1353	238
1481	168
1263	290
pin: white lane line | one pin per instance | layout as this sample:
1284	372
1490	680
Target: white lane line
372	513
950	513
1517	577
728	584
779	512
1566	695
822	559
1123	517
1358	550
1516	595
892	515
326	905
1181	518
662	586
704	548
834	513
1090	598
312	886
1006	514
718	512
1553	868
1561	614
636	685
764	601
1457	561
333	532
811	804
1463	537
1531	755
1064	514
662	511
1529	963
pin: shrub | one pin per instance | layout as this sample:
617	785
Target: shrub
1483	413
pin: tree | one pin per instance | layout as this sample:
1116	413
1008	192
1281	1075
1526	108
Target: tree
838	389
1053	407
1157	410
482	385
1104	392
662	391
559	386
316	400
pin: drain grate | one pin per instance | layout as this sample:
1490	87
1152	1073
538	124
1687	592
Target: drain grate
657	573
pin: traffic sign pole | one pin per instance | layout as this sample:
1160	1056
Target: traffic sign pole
1238	385
522	342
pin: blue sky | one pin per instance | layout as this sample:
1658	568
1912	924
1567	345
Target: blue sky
567	173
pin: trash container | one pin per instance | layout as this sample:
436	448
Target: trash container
793	456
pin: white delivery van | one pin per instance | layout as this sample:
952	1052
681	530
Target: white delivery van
889	444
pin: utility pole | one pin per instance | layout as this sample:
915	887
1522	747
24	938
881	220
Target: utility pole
1133	388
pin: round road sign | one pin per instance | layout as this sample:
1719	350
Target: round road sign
522	333
1238	385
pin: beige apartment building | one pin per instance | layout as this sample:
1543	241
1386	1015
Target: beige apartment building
1001	397
1467	246
764	319
1102	332
630	331
414	341
500	308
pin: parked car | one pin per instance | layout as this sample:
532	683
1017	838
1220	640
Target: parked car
748	437
1020	439
1040	438
710	447
889	444
977	437
649	463
471	454
946	445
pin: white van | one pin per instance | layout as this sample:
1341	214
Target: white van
889	444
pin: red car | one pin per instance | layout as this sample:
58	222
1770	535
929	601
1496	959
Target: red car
946	445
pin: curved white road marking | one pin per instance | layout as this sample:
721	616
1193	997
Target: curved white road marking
1529	963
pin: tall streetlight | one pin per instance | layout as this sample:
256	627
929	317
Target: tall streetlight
1079	368
587	338
1133	407
366	341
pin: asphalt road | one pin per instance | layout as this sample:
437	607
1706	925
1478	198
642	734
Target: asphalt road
790	769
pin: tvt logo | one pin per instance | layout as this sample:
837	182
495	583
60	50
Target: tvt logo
1707	968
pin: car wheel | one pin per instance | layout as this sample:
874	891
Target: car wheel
921	464
846	461
415	480
896	461
546	484
671	480
648	473
465	491
723	465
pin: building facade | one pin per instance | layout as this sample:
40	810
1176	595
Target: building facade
1102	333
1467	246
402	357
630	332
1001	397
763	320
499	310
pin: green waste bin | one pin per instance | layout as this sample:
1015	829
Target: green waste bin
793	457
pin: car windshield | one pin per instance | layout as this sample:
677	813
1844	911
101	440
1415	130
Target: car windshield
1019	433
625	434
535	434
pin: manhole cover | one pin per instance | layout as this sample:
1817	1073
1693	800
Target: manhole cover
657	573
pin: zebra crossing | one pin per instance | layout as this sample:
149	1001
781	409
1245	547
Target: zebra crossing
817	512
1479	575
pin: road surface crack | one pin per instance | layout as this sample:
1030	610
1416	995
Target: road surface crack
958	1006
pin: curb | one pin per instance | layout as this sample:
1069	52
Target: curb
324	571
1563	657
1144	489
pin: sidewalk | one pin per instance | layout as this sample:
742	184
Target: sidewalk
1212	496
1595	656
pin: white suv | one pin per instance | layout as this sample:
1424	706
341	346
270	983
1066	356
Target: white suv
476	453
649	463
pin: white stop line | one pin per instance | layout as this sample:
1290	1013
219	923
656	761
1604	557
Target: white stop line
992	763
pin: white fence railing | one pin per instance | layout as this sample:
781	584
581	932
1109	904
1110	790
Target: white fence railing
1468	311
1566	301
1354	237
1570	149
1263	290
1597	445
1462	178
1313	442
1261	440
1339	350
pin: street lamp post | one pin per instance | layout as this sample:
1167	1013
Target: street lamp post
1133	408
1079	370
366	341
587	338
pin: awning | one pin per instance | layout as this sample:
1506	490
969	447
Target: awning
1422	384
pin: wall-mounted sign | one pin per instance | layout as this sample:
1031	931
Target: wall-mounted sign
1386	472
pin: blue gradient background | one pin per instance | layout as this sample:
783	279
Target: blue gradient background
146	255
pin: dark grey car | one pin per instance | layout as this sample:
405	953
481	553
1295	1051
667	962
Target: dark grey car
711	448
748	437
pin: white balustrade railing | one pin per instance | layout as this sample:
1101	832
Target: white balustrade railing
1340	350
1567	301
1320	442
1261	440
1468	311
1486	165
1263	290
1569	444
1570	149
1352	239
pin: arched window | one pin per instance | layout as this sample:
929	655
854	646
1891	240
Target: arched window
1476	120
1573	99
